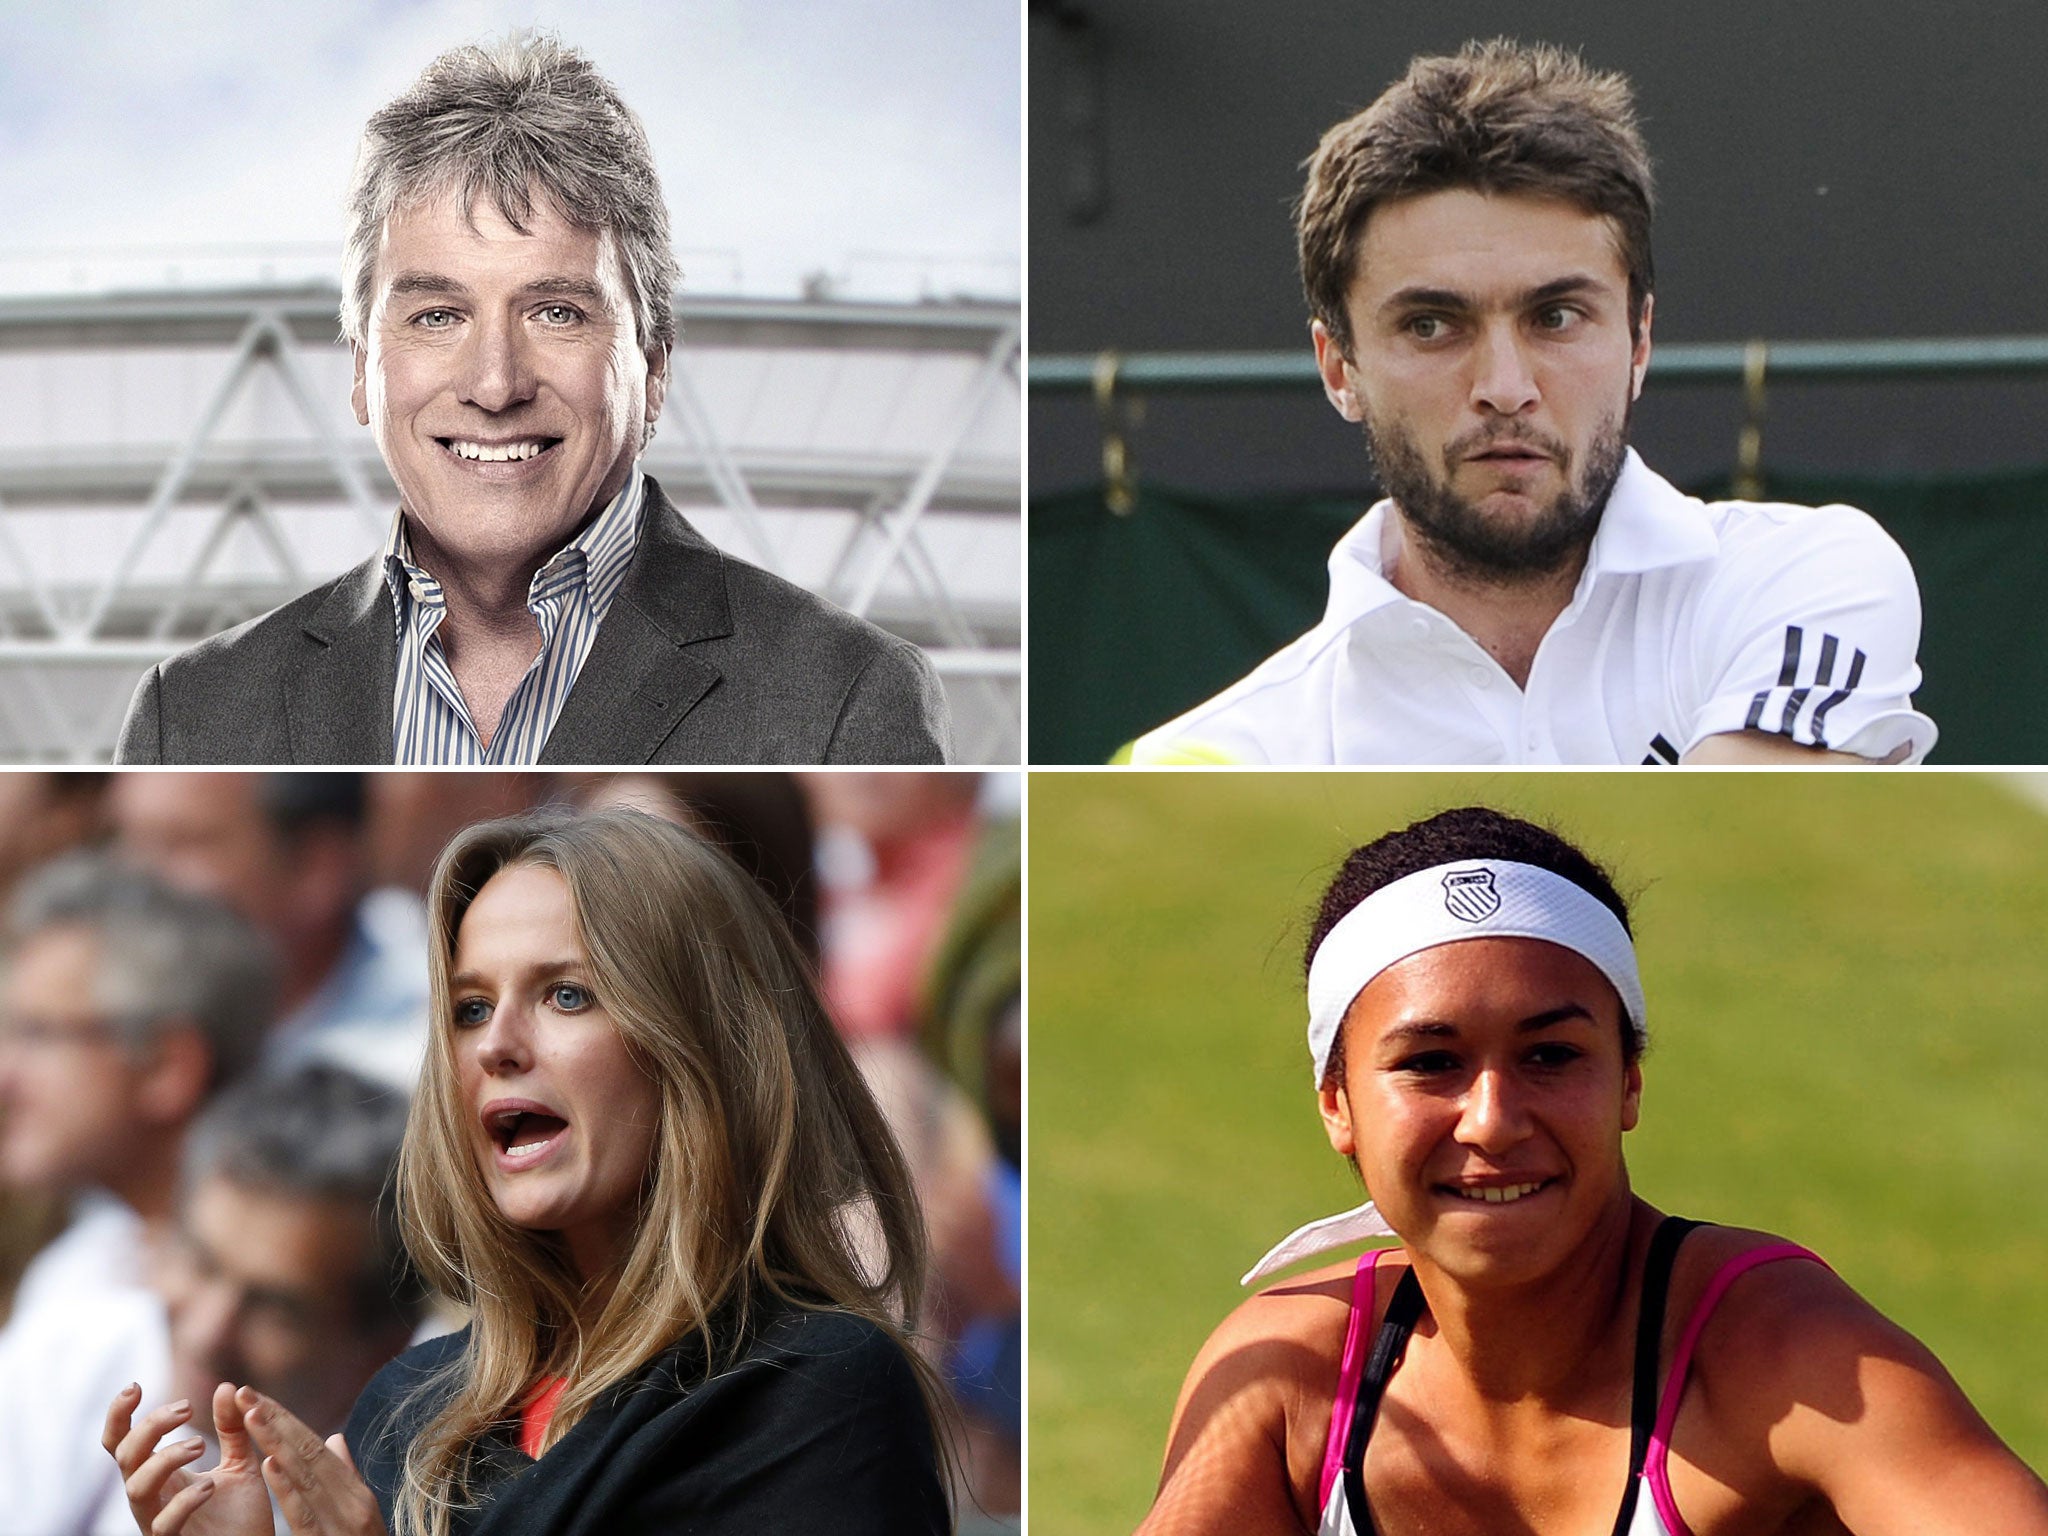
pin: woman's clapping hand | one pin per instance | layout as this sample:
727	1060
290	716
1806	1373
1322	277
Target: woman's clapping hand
264	1450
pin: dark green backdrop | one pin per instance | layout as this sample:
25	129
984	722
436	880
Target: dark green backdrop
1136	618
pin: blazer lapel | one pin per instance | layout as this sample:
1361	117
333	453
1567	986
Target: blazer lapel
338	704
639	681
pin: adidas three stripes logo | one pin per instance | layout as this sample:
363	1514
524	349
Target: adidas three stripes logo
1822	690
1783	709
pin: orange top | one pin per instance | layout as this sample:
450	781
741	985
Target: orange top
538	1412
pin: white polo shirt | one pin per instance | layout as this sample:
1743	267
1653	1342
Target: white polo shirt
1691	619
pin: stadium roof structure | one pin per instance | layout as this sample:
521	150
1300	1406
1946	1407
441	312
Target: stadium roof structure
174	462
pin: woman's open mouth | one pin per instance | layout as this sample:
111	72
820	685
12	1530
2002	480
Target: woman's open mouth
525	1137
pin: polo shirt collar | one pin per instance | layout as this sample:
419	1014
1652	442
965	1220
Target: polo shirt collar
1649	524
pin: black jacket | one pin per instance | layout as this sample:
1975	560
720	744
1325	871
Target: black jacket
702	658
819	1427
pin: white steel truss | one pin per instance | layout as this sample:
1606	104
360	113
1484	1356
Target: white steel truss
179	462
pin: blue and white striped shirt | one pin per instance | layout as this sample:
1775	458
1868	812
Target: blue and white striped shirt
569	597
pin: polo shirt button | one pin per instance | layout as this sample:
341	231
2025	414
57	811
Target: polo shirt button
1481	677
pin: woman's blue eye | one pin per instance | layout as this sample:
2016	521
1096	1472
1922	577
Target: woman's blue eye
569	997
472	1010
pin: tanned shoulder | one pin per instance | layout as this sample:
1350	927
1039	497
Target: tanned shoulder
1803	1399
1249	1430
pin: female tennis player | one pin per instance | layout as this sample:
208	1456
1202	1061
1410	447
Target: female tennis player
1543	1353
642	1159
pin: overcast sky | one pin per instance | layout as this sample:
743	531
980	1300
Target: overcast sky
874	140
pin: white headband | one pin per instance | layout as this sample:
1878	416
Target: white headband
1471	899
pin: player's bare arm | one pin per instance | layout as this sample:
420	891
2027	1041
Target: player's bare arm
1247	1438
1760	748
1807	1403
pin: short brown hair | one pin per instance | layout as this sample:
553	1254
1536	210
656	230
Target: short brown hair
1499	116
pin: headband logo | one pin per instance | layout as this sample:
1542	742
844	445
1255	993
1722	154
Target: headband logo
1469	894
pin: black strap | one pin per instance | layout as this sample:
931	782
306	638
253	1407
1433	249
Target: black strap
1642	1408
1387	1345
1405	1308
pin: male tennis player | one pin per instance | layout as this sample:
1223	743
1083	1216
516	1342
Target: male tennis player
1543	1353
1475	249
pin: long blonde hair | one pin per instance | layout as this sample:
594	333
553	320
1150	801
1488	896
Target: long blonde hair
773	1174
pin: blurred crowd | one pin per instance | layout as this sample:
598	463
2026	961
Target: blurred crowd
214	1013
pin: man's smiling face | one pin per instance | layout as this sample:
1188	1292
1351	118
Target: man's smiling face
503	377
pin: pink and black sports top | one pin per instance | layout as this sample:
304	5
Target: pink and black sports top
1647	1508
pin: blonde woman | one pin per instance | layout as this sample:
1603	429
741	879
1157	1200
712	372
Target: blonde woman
642	1158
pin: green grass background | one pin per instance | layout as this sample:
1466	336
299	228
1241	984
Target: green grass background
1847	982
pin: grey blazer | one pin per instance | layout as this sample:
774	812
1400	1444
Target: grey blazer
701	659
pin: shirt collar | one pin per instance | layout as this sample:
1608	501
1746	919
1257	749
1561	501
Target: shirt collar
1648	524
600	553
598	557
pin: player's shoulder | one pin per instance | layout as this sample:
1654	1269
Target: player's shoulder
1297	1326
1770	535
1827	568
1261	717
1782	1325
1276	1358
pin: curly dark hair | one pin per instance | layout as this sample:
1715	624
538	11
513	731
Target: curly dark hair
1469	832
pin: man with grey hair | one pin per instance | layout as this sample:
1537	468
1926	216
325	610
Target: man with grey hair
507	292
281	1268
285	1268
126	1005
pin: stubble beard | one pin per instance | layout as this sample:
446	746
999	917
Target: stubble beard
1466	543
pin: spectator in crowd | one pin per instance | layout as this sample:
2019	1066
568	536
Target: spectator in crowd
893	850
285	1269
41	815
410	817
282	1267
761	819
973	1027
641	1157
127	1004
287	851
